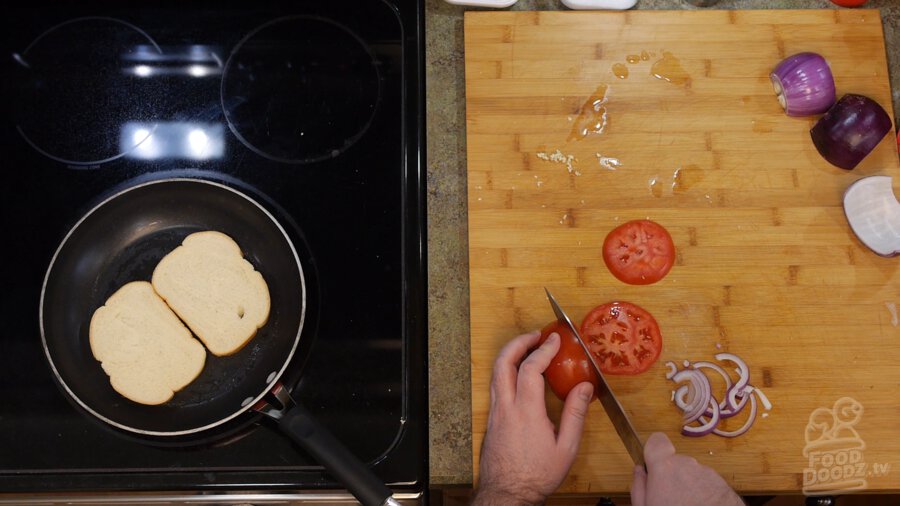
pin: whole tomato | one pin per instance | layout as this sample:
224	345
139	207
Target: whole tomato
849	3
570	366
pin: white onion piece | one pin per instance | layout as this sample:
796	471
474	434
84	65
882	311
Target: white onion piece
672	370
763	399
874	214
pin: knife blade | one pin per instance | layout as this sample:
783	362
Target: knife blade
614	410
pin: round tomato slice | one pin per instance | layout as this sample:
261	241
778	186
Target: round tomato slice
624	338
570	366
639	252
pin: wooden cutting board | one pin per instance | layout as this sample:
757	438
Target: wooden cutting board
767	267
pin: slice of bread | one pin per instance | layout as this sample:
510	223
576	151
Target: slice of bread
143	347
217	293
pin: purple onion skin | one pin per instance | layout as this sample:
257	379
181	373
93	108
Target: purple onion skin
698	434
850	130
807	84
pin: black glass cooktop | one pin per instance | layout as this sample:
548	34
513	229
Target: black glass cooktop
311	108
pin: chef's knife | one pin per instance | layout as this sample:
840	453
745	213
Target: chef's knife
613	409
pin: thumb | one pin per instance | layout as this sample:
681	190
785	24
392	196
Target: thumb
639	487
571	423
657	450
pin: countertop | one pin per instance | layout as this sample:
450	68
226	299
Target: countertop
450	437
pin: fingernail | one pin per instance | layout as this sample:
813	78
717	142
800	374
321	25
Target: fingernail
552	337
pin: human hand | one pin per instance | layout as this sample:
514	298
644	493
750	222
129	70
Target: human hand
677	480
523	460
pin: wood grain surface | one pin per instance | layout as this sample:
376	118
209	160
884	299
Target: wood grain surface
767	266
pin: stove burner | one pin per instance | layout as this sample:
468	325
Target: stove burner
300	89
76	90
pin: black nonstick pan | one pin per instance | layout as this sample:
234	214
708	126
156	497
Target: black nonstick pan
121	240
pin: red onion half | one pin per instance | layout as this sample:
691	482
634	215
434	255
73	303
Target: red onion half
694	398
804	84
850	130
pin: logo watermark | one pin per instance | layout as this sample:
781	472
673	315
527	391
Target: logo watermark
834	450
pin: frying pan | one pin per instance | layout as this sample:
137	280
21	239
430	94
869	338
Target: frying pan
121	240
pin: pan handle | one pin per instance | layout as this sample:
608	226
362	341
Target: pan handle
298	423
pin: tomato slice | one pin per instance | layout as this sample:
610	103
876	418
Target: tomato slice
570	366
623	337
639	252
849	3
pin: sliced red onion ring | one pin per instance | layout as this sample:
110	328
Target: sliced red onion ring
715	367
874	214
706	426
694	398
736	392
738	405
726	410
743	371
732	408
733	405
731	411
804	84
745	427
698	393
850	130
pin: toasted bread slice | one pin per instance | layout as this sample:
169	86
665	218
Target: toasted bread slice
143	347
217	293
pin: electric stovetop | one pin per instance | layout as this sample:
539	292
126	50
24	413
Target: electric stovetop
312	108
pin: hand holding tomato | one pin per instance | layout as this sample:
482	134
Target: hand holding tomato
677	480
570	366
623	337
523	459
